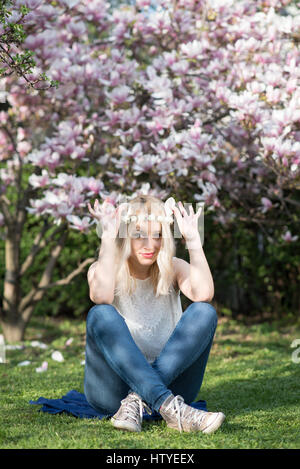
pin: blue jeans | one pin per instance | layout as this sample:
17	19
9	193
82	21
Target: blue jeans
114	365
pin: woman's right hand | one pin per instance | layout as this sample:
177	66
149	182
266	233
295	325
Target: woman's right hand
108	215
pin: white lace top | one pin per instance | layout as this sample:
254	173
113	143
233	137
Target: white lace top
150	320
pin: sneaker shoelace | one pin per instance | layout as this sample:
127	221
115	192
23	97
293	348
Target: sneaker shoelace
133	407
178	407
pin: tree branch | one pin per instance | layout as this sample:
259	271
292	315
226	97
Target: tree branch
68	278
293	202
37	292
39	244
4	203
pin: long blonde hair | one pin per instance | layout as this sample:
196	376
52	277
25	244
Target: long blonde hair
161	271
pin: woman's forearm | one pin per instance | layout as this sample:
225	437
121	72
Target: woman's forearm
103	283
201	280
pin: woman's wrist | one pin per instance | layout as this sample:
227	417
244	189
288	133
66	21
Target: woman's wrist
104	234
194	242
108	237
108	246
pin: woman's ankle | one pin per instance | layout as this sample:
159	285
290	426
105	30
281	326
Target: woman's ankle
166	401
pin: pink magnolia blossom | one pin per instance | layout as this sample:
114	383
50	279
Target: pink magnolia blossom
181	67
160	22
194	49
144	163
120	95
31	4
133	153
70	3
93	186
79	224
77	28
7	176
287	236
158	124
143	3
62	211
169	58
39	181
44	158
267	204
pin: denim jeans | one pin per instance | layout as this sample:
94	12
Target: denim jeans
114	365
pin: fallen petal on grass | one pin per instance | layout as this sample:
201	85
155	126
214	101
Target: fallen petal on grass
38	344
42	368
24	363
57	356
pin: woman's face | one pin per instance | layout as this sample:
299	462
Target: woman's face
146	239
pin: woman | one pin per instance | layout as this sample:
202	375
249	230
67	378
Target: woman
142	351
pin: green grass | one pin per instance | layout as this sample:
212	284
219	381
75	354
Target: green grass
250	376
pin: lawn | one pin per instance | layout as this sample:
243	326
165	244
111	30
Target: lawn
250	376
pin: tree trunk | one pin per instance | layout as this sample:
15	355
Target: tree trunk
17	306
13	330
11	320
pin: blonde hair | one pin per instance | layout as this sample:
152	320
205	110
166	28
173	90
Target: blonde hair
161	271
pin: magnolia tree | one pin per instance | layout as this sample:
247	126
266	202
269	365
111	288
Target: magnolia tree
201	98
12	36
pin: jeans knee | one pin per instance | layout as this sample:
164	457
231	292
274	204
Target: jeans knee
99	314
206	311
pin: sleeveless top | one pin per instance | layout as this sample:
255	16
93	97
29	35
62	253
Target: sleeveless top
150	320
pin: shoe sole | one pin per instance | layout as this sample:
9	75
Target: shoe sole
121	425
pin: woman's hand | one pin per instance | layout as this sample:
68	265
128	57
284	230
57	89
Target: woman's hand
108	216
187	223
96	211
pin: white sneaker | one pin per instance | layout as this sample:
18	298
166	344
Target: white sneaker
183	417
130	414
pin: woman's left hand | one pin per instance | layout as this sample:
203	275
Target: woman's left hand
187	223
